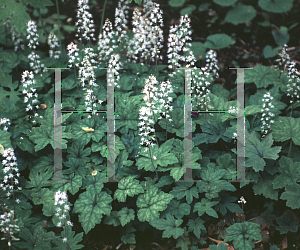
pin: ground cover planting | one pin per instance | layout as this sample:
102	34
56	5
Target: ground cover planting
149	125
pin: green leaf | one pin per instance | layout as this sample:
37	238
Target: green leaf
177	125
212	184
264	186
262	76
139	2
177	209
205	206
72	241
91	206
31	242
182	189
281	36
112	219
289	173
42	196
159	157
218	41
292	195
130	187
38	180
199	50
151	202
221	246
243	235
40	4
9	60
176	3
240	14
5	139
269	52
74	184
225	2
257	151
188	10
129	237
228	203
126	215
20	17
196	226
286	128
220	91
276	6
286	224
293	25
84	137
170	226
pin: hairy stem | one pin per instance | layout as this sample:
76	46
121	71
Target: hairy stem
58	20
102	17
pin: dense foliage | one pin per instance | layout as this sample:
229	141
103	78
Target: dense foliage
40	211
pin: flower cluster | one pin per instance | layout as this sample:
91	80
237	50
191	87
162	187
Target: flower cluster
29	90
53	43
202	78
154	14
8	227
243	201
114	62
9	168
283	60
146	113
211	63
293	87
10	172
73	54
178	36
62	209
15	36
32	36
285	63
121	20
147	33
85	23
267	113
86	74
106	42
3	121
164	89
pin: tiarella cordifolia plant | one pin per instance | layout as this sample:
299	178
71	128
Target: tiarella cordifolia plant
33	42
30	92
10	182
243	201
121	20
293	87
106	42
4	121
147	34
85	24
115	64
267	114
62	211
74	56
54	50
178	49
147	113
15	36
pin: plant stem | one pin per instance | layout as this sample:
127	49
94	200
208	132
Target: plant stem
58	18
291	142
39	12
102	17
